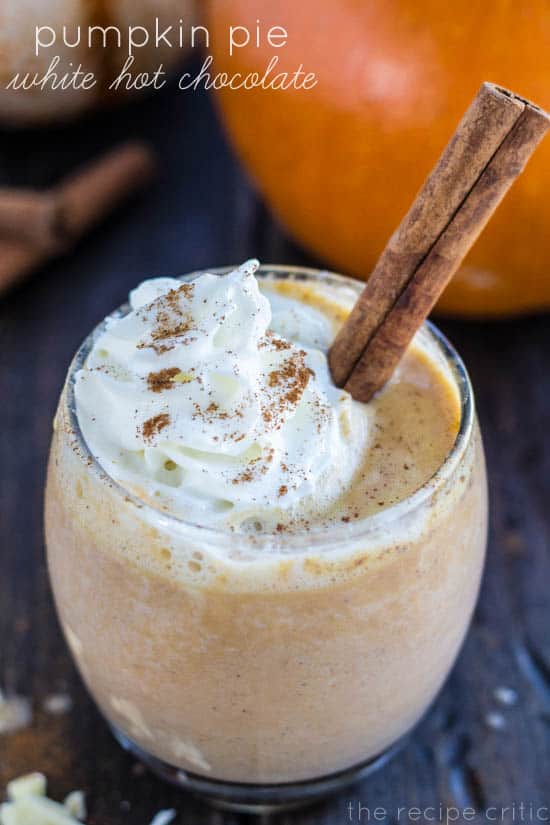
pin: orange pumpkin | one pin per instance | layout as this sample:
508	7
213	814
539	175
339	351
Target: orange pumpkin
340	164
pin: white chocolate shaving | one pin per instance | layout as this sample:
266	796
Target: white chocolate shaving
164	817
15	713
31	784
75	803
29	805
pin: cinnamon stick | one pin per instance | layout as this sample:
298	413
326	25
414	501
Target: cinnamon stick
489	149
17	260
86	196
28	215
38	225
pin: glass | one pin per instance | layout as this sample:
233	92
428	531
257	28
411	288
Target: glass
264	671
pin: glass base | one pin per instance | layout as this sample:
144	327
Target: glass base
250	798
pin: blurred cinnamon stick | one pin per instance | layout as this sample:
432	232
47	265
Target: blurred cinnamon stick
489	149
38	225
28	215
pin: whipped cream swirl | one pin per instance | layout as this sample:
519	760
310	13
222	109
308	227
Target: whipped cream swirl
196	402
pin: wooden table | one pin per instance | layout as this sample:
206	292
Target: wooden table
471	750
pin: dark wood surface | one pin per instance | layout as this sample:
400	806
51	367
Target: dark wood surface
203	212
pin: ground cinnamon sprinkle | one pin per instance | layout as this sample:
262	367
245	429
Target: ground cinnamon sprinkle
276	343
283	490
212	412
171	320
162	380
242	478
168	328
184	289
154	425
292	378
255	468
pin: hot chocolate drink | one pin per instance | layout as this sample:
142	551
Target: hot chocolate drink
261	579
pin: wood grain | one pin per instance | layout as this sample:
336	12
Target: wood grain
203	212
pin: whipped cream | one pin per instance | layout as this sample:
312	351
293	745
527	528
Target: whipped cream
215	402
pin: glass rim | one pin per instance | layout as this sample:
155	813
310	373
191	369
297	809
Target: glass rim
326	535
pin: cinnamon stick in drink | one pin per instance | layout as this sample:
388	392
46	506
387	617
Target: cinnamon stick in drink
489	149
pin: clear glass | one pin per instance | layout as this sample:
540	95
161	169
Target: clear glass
263	671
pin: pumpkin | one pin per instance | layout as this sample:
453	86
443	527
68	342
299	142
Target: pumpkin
341	163
70	21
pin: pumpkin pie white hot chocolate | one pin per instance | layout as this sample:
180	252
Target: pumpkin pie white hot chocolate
262	580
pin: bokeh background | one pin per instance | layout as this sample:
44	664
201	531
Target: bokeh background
480	745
